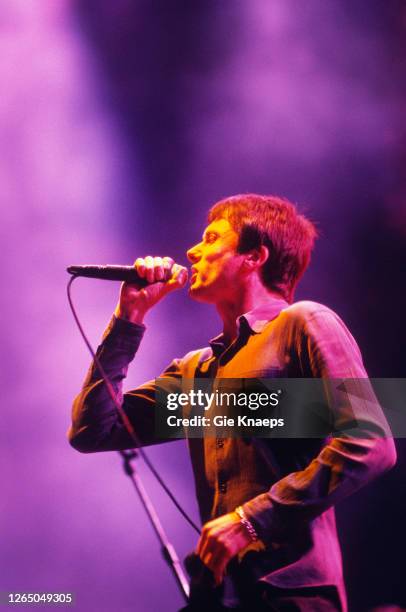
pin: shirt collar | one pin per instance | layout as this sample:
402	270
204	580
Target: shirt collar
254	320
260	316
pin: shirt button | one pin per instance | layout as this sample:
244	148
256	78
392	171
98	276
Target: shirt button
223	487
220	442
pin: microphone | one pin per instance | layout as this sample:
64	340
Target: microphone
114	273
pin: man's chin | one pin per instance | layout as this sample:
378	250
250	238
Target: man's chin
199	294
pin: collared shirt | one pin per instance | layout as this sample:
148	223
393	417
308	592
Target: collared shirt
287	487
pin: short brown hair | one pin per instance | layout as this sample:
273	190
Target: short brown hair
275	223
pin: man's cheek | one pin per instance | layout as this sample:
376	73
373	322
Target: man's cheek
205	275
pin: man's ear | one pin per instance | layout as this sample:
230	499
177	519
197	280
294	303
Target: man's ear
256	258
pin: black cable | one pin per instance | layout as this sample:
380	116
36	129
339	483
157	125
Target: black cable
123	415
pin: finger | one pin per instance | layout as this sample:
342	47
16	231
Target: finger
217	563
219	570
205	550
201	548
218	577
203	539
179	276
139	265
168	263
209	545
149	269
207	560
159	271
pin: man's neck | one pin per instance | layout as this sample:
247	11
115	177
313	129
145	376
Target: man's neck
246	300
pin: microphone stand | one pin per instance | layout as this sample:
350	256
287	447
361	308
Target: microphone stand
168	551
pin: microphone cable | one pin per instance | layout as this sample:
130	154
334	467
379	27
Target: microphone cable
122	414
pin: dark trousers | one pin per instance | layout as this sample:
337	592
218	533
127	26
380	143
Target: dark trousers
271	599
253	595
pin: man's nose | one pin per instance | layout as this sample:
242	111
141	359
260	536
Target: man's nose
192	254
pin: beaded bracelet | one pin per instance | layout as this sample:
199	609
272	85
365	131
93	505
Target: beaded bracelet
247	524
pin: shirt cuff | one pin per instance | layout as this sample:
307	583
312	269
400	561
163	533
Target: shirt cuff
123	333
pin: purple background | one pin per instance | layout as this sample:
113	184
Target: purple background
121	122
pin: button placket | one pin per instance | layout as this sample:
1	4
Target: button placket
223	487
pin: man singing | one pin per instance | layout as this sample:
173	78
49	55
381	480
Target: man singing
267	505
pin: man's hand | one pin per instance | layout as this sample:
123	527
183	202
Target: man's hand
220	541
134	302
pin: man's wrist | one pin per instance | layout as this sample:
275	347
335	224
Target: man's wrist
135	316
